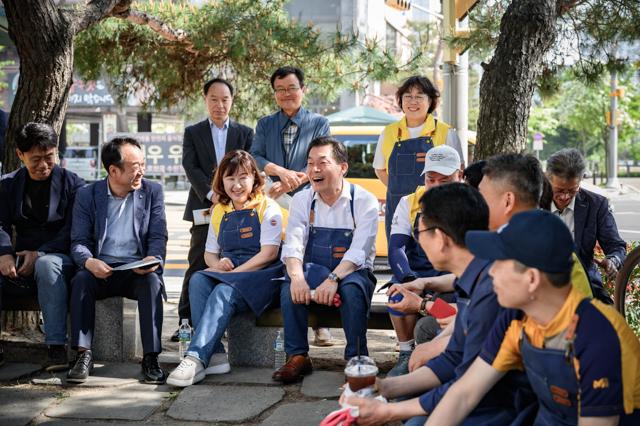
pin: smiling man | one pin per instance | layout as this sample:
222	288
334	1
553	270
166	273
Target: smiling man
329	248
282	138
118	220
588	216
35	225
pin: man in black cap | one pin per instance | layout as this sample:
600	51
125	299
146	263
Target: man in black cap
580	356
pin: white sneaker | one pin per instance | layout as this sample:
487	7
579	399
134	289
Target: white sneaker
218	364
189	371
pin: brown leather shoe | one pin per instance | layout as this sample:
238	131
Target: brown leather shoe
294	369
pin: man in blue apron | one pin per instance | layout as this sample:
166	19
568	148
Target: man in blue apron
447	213
407	260
329	247
578	353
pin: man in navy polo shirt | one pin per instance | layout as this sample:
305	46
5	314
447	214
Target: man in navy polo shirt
448	212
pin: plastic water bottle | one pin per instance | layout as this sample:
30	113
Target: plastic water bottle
278	349
184	337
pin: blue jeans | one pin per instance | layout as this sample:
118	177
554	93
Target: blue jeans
52	273
353	313
50	280
212	306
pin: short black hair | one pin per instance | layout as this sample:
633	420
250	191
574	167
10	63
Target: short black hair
455	208
111	151
36	135
522	172
567	164
424	85
282	72
338	150
208	84
473	173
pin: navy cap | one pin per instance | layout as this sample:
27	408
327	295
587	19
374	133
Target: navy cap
536	238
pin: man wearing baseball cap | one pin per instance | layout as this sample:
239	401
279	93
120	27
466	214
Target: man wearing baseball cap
408	261
580	356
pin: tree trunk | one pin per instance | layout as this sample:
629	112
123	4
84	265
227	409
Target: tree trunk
44	41
527	32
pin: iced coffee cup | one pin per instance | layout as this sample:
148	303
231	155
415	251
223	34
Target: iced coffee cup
361	373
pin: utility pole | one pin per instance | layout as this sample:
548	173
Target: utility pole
612	152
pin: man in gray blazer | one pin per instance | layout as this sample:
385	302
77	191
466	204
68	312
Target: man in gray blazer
204	145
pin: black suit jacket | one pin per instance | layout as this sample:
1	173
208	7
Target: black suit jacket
51	237
593	221
199	159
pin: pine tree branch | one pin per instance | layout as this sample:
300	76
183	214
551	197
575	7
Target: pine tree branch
160	27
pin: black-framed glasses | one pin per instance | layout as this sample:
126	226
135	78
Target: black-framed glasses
416	235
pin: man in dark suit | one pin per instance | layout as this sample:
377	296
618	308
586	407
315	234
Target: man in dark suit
118	220
588	216
203	147
35	209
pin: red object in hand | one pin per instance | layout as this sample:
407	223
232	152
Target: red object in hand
441	309
337	301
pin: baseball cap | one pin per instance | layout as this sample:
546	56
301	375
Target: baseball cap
536	238
442	159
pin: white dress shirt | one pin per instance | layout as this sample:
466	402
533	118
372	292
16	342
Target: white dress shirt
567	215
270	229
219	136
362	250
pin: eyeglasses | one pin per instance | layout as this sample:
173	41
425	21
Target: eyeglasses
417	98
282	91
565	192
416	235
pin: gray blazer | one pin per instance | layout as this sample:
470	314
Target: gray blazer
199	159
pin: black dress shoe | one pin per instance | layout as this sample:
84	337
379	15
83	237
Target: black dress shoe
82	368
151	370
57	358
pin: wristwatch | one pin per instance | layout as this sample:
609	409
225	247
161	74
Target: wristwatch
333	277
423	306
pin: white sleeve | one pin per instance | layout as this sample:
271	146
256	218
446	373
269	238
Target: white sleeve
364	236
212	241
454	142
297	227
271	227
400	223
379	161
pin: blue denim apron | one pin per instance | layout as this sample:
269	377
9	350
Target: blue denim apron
239	240
405	167
326	248
552	375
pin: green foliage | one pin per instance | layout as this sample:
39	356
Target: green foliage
575	117
244	40
594	37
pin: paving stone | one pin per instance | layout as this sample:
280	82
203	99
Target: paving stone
242	375
18	405
301	413
135	402
103	376
15	370
323	384
223	403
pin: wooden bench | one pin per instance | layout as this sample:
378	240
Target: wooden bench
251	339
117	335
